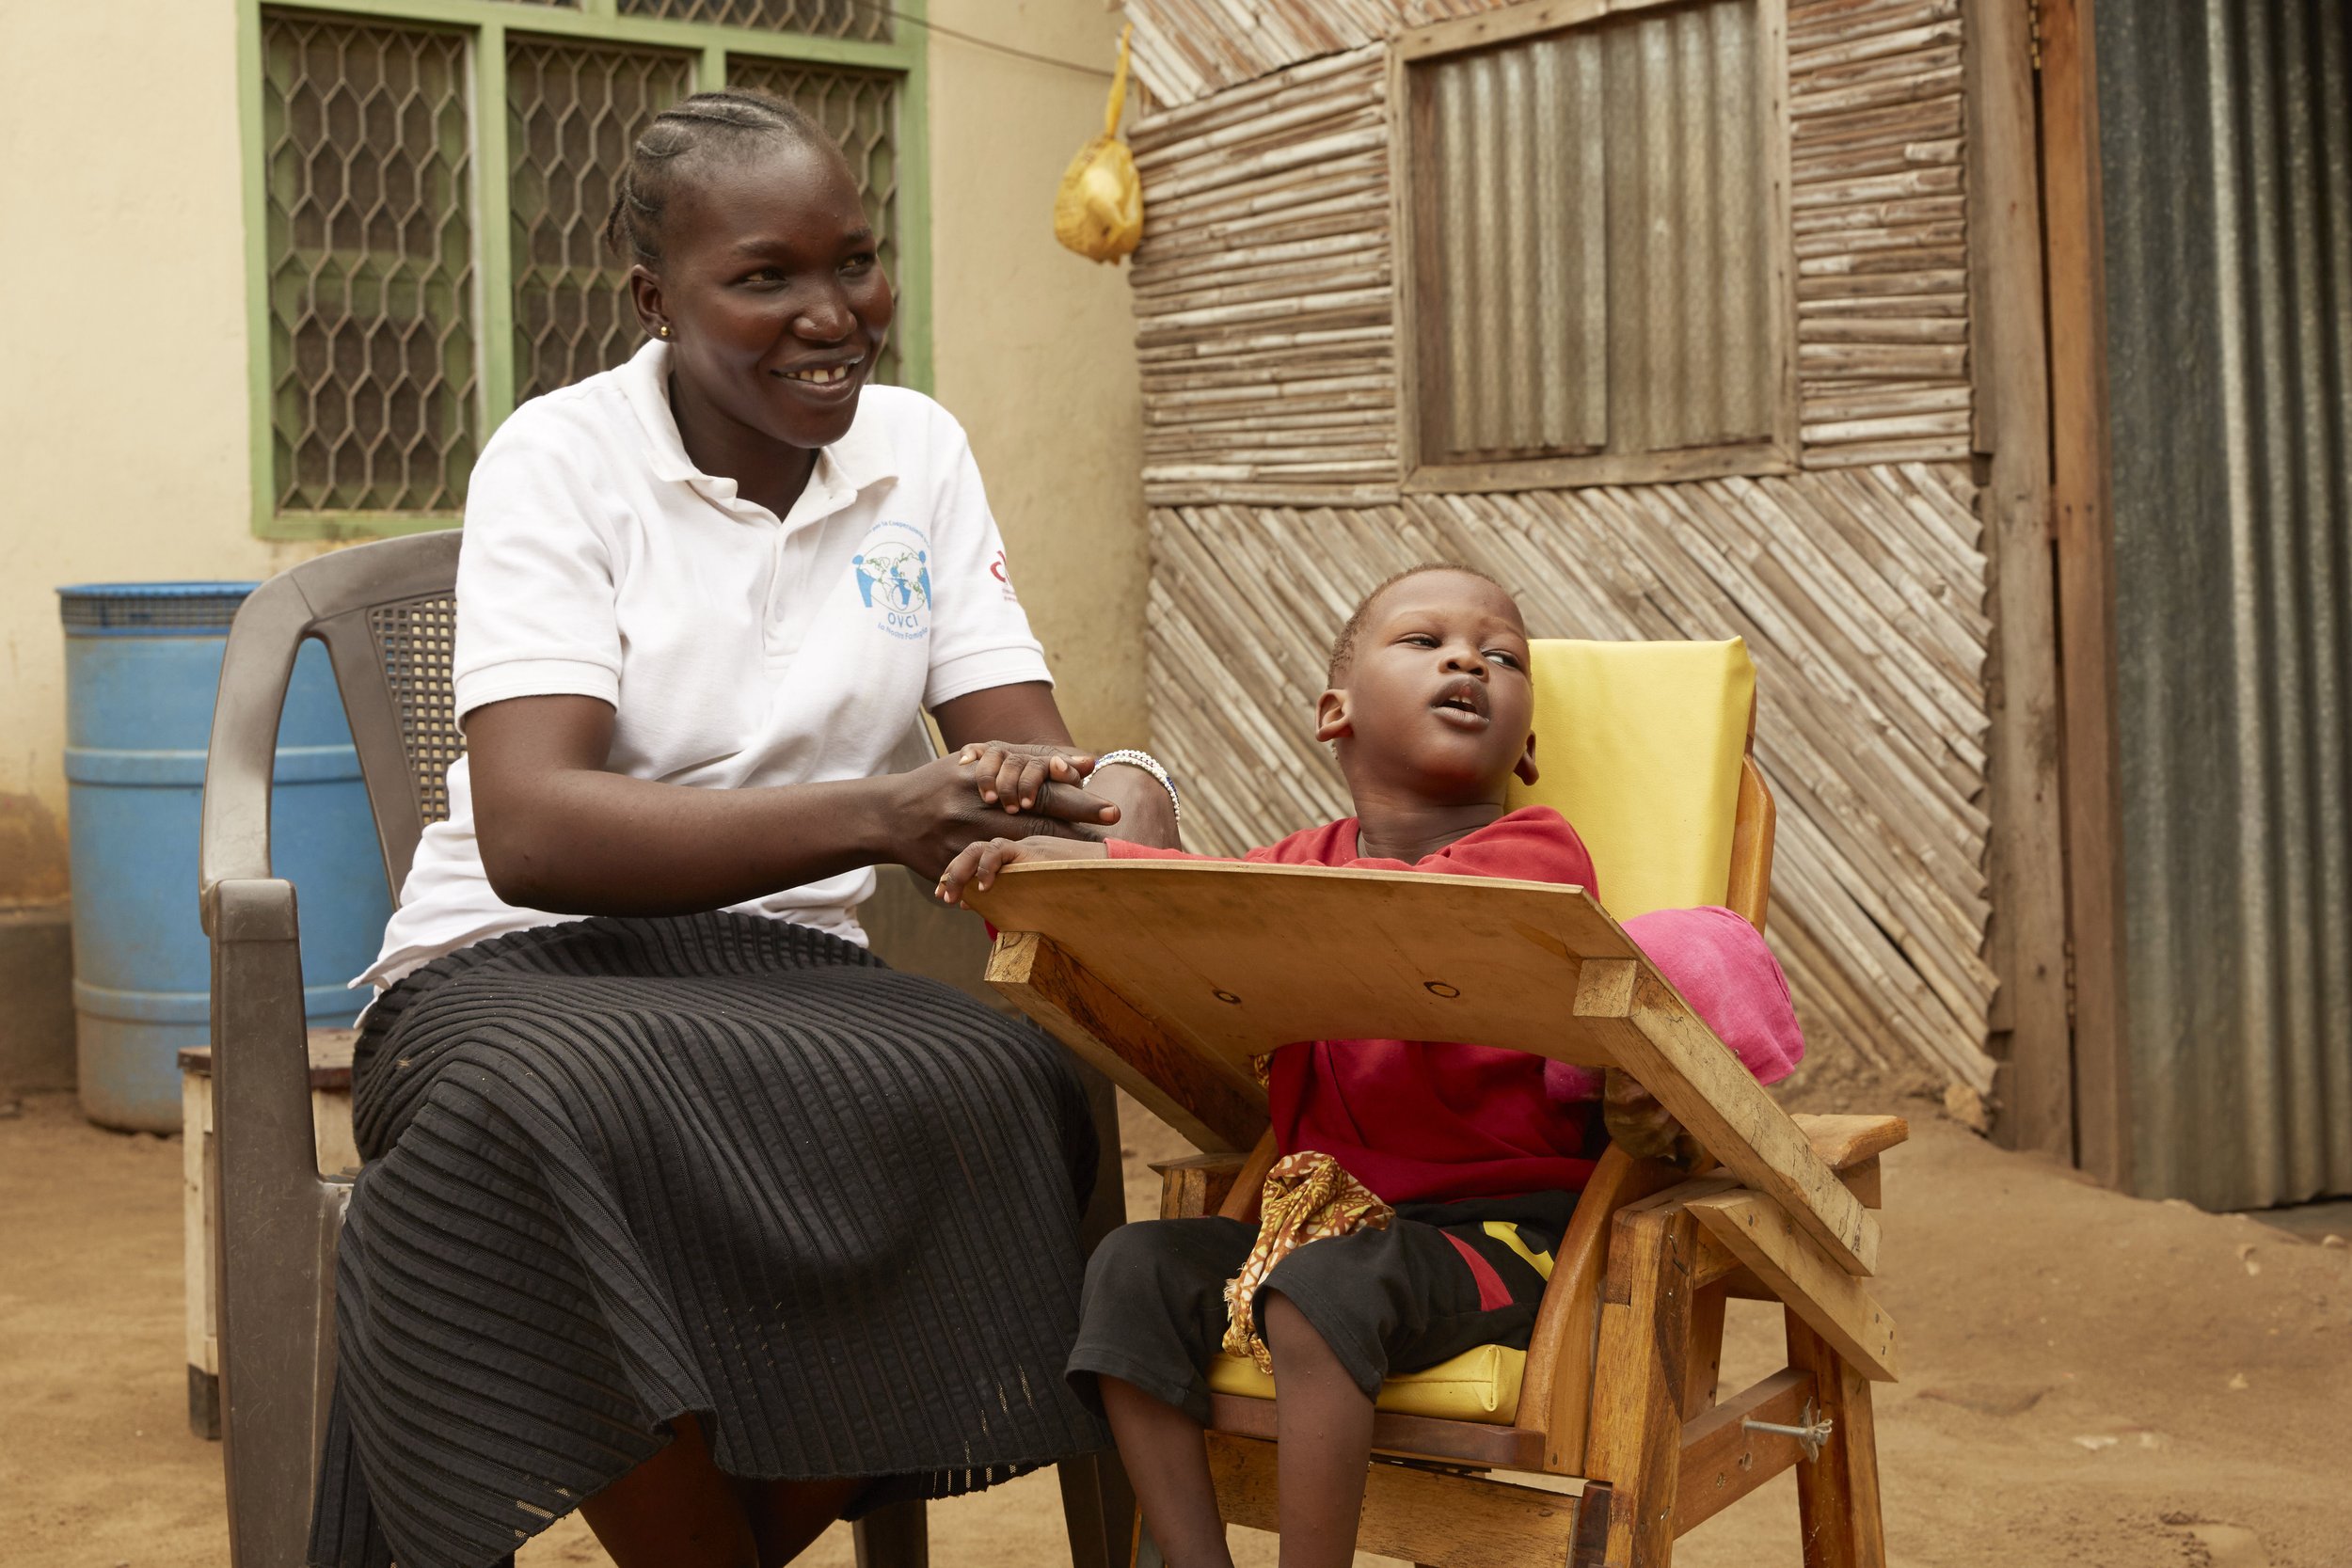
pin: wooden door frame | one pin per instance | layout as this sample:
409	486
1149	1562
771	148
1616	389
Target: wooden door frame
2009	369
2083	524
2038	362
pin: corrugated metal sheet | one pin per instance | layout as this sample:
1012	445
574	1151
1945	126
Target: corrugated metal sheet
2227	157
1520	198
1598	205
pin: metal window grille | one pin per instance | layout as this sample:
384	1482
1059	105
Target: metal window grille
373	386
860	110
834	18
572	110
1592	253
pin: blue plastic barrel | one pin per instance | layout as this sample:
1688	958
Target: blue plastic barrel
142	664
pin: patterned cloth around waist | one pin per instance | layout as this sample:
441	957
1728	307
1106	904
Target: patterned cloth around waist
1308	1197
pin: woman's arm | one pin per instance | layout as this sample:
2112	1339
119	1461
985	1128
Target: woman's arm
559	833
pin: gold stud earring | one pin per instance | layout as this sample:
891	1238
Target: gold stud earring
665	329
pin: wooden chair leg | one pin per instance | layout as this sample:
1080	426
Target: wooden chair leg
1098	1506
1706	1365
897	1536
1639	1378
1837	1495
1097	1503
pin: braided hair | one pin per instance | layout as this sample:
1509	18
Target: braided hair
705	124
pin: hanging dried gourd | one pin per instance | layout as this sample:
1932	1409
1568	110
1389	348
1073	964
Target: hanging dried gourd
1099	210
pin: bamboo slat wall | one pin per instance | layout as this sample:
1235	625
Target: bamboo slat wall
1188	49
1264	318
1266	330
1875	149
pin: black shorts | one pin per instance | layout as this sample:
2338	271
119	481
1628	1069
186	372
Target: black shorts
1441	1279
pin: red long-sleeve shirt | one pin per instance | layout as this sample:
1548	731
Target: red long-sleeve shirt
1427	1122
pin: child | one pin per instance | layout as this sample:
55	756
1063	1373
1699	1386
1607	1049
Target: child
1480	1152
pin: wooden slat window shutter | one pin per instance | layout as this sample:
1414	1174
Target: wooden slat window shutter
1592	245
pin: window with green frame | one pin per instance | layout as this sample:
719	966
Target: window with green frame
426	192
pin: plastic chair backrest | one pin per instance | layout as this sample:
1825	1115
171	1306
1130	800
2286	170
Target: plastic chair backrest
386	614
1638	745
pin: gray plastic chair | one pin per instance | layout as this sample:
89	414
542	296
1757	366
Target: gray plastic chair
386	614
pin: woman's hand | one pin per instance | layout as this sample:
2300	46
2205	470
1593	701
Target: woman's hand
938	810
977	864
1011	774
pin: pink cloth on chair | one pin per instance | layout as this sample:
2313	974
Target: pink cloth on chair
1720	964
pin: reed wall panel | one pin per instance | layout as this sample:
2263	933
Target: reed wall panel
1861	595
1265	285
1265	312
1266	332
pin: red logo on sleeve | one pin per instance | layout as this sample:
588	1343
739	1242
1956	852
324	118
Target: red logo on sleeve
996	570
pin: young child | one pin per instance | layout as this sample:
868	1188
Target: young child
1480	1152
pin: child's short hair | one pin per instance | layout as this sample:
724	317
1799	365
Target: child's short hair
1344	645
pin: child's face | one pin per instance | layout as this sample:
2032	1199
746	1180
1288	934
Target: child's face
1436	702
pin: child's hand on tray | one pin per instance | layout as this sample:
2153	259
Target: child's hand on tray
1636	1120
1014	776
980	860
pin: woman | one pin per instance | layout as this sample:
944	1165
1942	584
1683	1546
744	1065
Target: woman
691	1214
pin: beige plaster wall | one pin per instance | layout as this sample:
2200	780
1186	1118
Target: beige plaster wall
124	439
1035	345
122	388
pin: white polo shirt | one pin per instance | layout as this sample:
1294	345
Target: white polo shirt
738	650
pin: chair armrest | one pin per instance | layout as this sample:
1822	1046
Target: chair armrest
1843	1142
1227	1185
1555	1391
1192	1187
260	1042
242	754
270	1262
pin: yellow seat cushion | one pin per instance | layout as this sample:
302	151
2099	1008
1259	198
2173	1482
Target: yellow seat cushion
1479	1384
1638	745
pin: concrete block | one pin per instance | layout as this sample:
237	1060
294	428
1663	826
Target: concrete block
36	998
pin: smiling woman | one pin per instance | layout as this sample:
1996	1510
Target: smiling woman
688	1213
780	236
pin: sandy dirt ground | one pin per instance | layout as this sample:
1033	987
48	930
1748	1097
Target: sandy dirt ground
2092	1381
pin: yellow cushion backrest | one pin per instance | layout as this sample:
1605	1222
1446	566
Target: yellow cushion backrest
1639	747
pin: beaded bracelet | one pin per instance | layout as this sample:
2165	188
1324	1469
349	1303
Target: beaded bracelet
1151	765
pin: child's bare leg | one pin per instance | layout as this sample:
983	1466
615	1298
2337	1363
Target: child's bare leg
1323	1429
1169	1464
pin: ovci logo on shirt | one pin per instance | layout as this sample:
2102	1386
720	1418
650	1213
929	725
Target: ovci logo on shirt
894	576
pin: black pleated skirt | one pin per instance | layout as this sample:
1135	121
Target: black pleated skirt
621	1170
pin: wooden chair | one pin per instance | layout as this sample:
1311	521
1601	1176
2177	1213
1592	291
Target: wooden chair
1173	977
386	612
